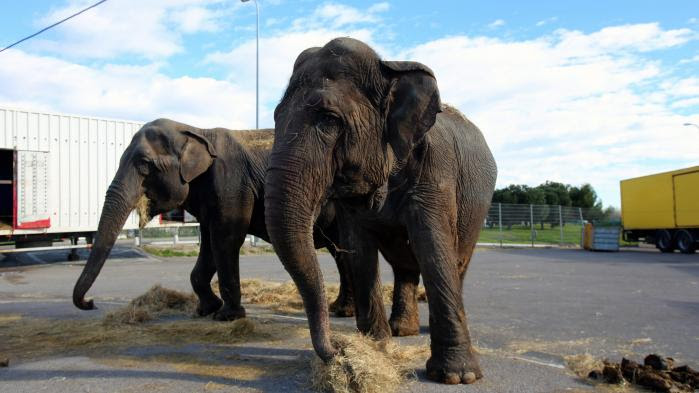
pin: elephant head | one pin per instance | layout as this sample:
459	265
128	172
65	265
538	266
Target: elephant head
161	160
346	122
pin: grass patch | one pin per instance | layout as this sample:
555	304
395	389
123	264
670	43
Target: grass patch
521	234
192	250
172	251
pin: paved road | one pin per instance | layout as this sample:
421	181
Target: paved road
527	307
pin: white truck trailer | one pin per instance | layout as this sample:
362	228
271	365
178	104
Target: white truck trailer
54	173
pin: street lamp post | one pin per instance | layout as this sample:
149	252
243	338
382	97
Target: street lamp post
691	125
257	64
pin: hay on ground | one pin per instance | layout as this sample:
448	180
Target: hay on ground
156	302
581	365
284	297
364	365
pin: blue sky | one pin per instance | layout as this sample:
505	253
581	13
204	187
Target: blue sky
574	91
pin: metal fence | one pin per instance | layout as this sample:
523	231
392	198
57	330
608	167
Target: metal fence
534	225
506	224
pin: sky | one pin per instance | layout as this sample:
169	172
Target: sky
568	91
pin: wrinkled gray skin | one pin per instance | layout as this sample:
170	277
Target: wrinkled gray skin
218	176
373	137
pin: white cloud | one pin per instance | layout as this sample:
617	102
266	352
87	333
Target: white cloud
336	16
567	106
496	23
128	92
546	21
379	7
150	29
196	18
570	106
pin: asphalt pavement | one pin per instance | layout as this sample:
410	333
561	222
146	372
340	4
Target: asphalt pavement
528	309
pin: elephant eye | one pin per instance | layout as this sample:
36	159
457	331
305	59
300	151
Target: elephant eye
327	120
143	166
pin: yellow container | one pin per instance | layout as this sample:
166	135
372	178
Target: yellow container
661	201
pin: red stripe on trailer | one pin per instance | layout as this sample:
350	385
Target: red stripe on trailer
34	224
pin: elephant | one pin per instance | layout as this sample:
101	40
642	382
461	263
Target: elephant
409	177
218	176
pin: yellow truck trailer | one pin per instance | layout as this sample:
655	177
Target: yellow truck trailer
662	209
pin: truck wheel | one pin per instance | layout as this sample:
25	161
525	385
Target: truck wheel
685	242
663	241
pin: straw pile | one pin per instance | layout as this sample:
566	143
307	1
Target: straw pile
157	302
284	297
366	366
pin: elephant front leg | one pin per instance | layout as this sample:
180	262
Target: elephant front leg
343	306
405	319
226	248
453	359
201	277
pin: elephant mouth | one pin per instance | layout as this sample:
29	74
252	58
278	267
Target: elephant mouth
372	200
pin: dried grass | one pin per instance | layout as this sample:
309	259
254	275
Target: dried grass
366	366
581	365
143	211
554	347
255	139
157	302
28	338
284	297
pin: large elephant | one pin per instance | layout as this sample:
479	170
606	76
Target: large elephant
402	169
218	176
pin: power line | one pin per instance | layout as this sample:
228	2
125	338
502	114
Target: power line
53	25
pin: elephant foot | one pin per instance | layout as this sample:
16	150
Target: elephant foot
228	313
342	307
405	326
205	308
454	365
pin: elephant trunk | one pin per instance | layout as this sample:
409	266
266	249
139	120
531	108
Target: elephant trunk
120	200
292	200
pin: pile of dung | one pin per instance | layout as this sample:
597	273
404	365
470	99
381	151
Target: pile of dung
366	366
142	211
657	374
158	301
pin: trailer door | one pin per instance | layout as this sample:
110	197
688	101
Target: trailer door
31	190
687	199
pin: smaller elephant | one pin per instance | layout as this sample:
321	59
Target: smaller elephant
218	176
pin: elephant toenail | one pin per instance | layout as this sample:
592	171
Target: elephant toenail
469	378
452	379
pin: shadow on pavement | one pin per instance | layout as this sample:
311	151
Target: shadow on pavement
59	256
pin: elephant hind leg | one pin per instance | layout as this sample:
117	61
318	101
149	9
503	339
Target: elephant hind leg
201	276
405	320
343	306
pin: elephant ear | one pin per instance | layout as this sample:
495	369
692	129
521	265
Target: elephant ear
412	104
196	156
